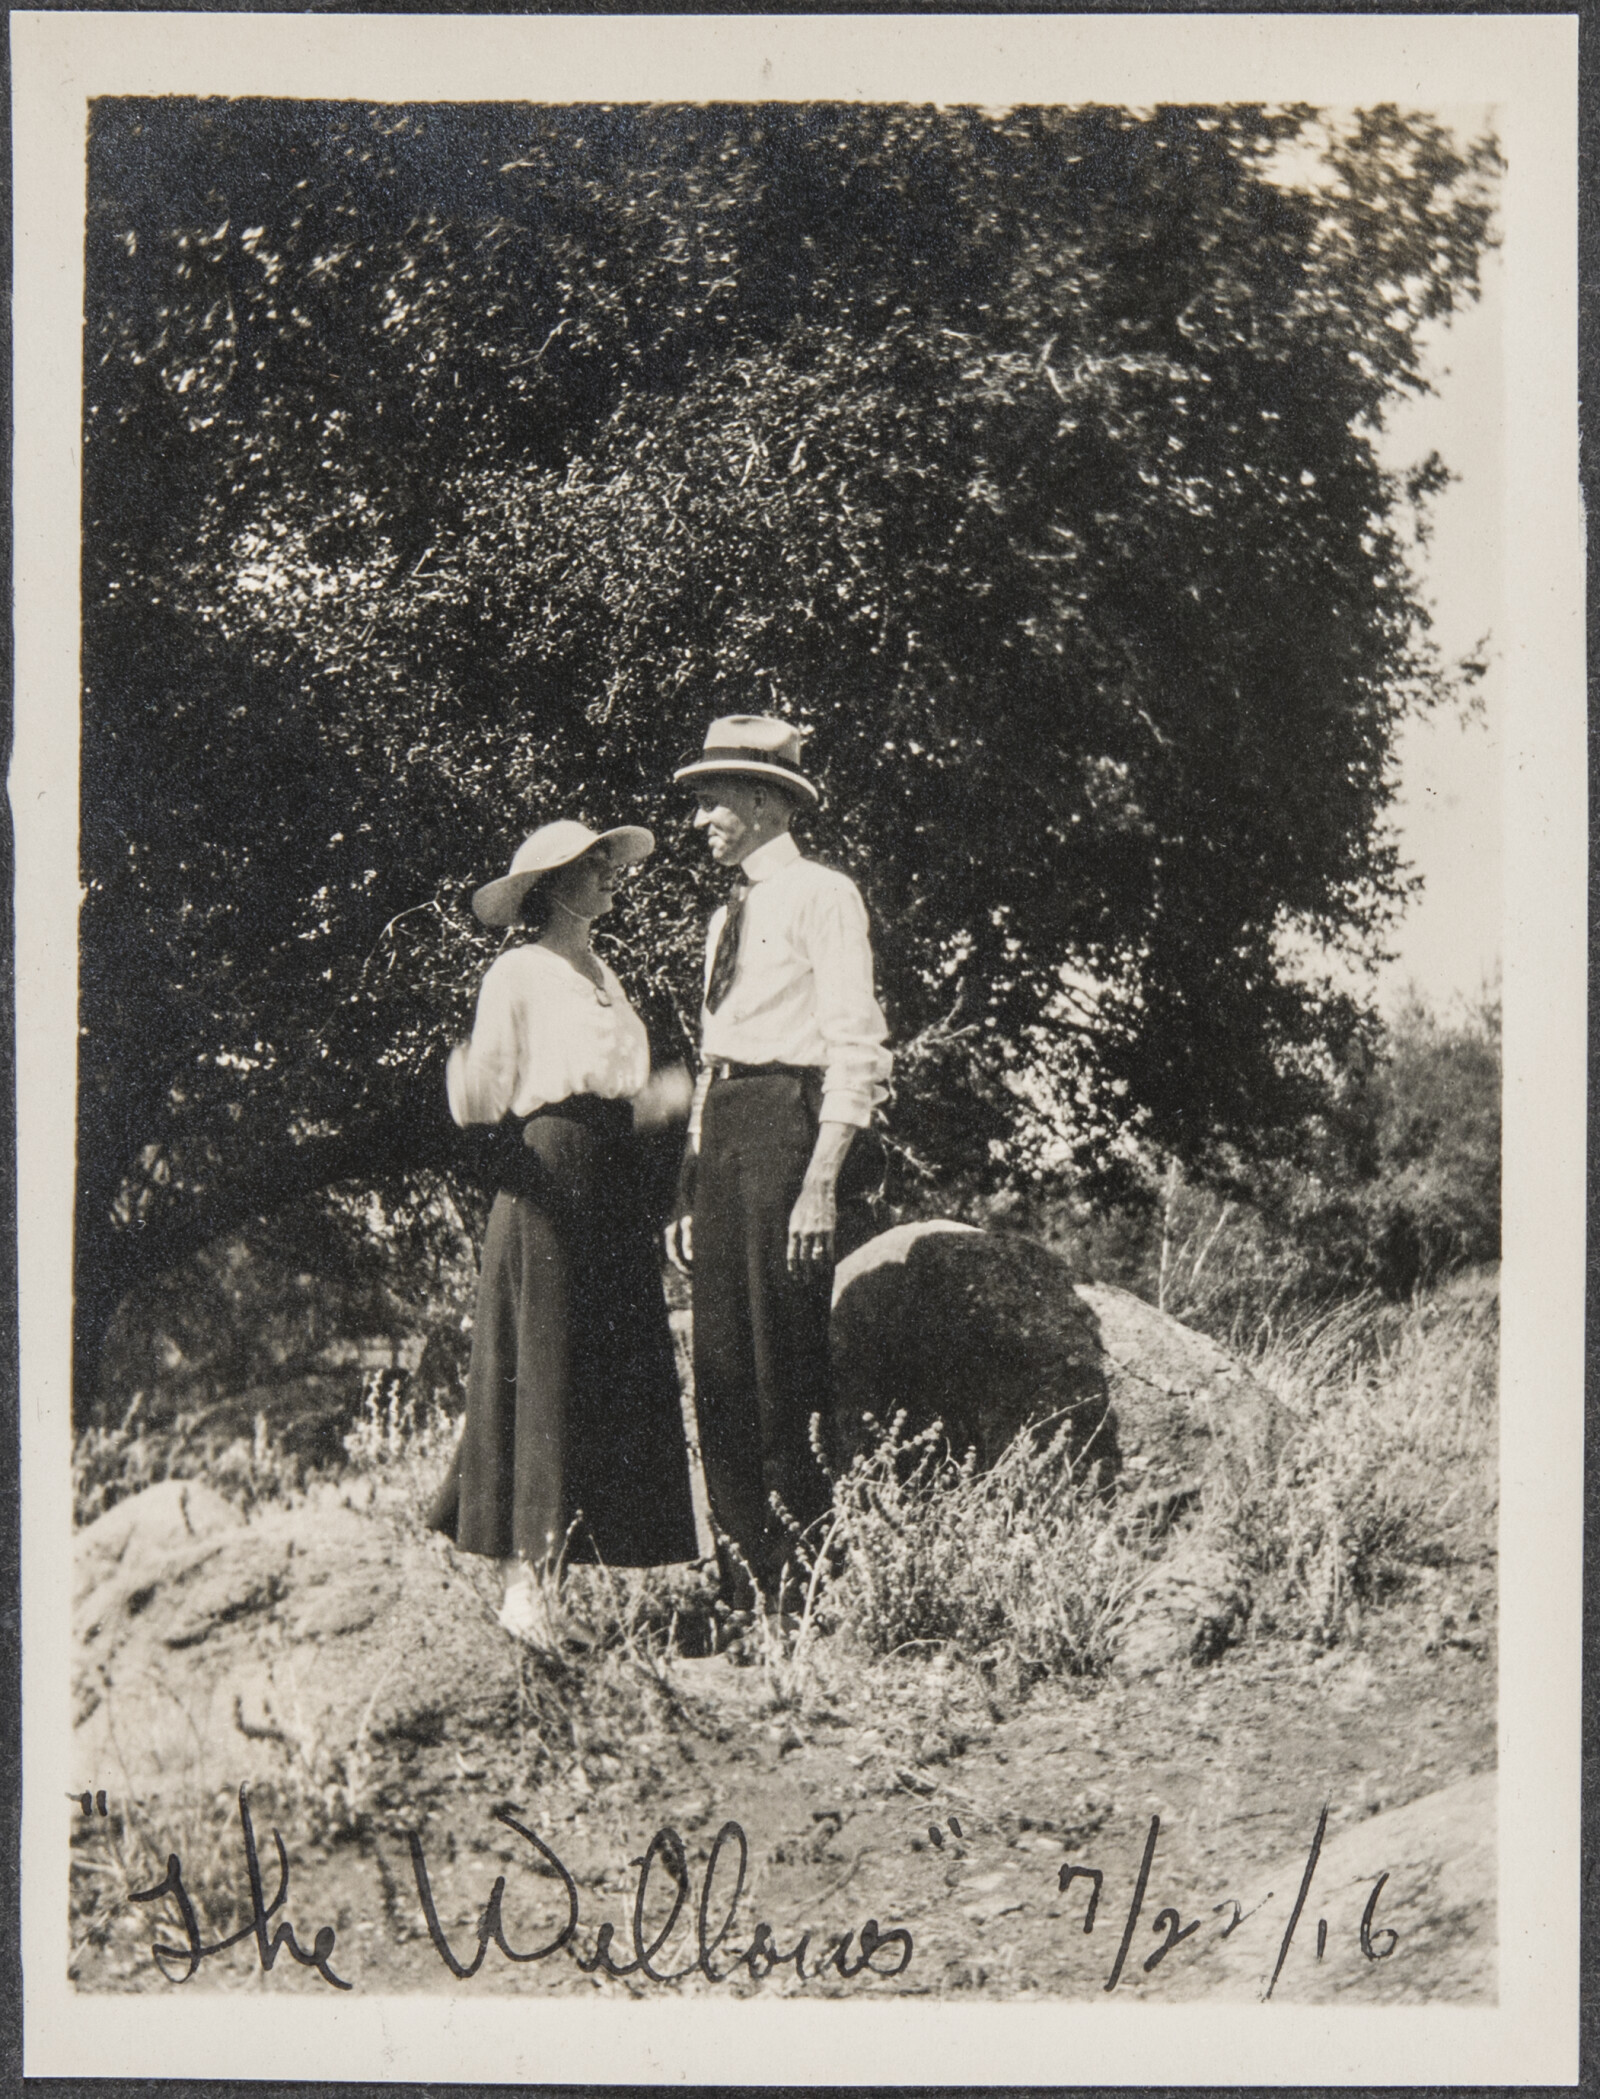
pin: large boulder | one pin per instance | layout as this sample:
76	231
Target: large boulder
988	1333
981	1331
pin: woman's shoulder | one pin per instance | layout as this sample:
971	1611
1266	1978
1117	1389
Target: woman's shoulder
533	964
505	967
526	971
527	958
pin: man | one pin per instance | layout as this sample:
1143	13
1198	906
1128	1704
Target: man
793	1064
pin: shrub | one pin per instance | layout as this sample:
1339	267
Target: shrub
398	1439
1433	1205
110	1464
253	1362
287	1315
1393	1189
1388	1469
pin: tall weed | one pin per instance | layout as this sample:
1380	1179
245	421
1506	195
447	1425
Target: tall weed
400	1440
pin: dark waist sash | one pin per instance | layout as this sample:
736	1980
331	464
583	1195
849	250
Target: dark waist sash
587	1110
532	1155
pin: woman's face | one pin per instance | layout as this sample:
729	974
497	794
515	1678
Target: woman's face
588	886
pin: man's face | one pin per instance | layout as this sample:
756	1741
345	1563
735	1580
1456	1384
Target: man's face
727	809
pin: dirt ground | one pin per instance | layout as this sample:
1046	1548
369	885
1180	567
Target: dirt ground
348	1668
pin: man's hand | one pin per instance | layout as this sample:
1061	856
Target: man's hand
679	1236
815	1215
811	1226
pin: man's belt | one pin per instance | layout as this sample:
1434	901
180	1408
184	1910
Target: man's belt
726	1068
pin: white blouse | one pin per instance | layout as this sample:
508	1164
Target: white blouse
543	1032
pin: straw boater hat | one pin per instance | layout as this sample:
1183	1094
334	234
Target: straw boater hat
756	744
555	845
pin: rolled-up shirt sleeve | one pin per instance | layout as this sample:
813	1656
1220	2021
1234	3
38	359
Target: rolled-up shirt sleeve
481	1075
856	1064
703	1081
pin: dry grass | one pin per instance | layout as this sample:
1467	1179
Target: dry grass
1388	1467
935	1592
399	1440
126	1851
1391	1463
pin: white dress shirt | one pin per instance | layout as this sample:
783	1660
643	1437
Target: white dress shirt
543	1032
802	989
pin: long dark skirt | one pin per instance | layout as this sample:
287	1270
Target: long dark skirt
573	1409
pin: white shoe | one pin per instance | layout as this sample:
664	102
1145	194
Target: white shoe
526	1615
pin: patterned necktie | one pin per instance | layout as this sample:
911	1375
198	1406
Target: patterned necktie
726	959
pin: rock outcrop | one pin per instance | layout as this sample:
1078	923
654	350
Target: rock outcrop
207	1642
1186	1411
1422	1879
1193	1604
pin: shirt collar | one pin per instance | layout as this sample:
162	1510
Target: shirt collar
770	859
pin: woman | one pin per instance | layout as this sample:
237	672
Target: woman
574	1427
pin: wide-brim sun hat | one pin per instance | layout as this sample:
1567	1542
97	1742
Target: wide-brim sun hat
757	745
499	903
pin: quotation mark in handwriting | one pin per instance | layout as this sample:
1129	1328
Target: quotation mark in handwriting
91	1803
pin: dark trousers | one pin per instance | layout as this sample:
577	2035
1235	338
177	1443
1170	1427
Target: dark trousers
760	1337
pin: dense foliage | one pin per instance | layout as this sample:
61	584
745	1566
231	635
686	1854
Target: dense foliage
1395	1188
1410	1191
447	467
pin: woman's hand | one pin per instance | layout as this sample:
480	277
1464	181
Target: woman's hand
664	1100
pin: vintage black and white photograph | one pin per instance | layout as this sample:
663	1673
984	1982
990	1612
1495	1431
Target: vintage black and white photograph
786	1224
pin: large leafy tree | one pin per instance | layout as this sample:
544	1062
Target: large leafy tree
446	468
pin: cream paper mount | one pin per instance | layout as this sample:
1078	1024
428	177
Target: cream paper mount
1357	1866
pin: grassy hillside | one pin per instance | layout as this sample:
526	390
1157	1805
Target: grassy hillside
967	1651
